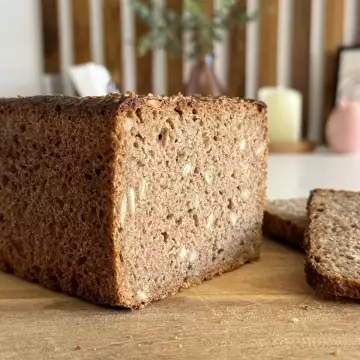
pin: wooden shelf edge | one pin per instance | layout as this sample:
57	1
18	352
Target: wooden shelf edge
293	147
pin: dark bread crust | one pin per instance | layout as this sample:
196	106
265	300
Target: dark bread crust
327	284
283	229
330	286
84	262
61	237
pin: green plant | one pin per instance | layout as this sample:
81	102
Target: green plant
167	26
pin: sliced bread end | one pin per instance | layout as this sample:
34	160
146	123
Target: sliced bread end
332	243
286	220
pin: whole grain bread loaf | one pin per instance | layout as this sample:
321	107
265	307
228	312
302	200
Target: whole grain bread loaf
286	220
126	199
332	243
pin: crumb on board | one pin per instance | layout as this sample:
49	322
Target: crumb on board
304	307
334	353
294	320
180	345
77	347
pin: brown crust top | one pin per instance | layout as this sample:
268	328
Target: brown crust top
327	284
132	100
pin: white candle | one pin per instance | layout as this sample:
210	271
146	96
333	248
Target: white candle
284	113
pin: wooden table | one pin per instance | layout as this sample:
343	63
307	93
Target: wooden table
264	310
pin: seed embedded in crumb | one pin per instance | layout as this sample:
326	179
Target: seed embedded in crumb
193	256
210	222
260	151
233	217
142	189
165	138
153	103
131	195
206	139
196	202
141	296
128	124
242	144
171	123
186	170
123	210
183	253
208	177
129	93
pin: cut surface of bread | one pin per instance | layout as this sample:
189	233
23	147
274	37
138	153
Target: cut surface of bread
127	199
286	220
332	243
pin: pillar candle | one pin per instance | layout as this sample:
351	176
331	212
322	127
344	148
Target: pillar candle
284	113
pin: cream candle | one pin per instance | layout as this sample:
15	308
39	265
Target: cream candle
284	113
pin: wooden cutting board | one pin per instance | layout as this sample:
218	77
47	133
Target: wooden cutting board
264	310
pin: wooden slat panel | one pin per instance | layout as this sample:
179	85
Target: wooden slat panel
112	39
300	46
237	45
269	14
207	6
143	63
81	31
333	37
174	64
50	34
357	37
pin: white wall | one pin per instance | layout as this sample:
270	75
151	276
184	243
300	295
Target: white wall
20	48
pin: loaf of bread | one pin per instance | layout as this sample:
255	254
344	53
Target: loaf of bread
332	243
286	220
126	199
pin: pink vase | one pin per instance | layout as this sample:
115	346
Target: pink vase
343	127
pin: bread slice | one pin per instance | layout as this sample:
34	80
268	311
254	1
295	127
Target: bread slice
332	243
286	220
126	199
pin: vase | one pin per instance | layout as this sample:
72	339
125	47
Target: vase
343	127
203	80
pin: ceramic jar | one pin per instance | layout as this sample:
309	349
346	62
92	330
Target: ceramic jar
343	127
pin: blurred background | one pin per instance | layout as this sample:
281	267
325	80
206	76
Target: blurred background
268	44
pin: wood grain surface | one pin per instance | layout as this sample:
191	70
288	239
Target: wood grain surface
50	36
174	64
81	31
333	39
264	310
237	56
112	26
268	22
143	63
300	55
